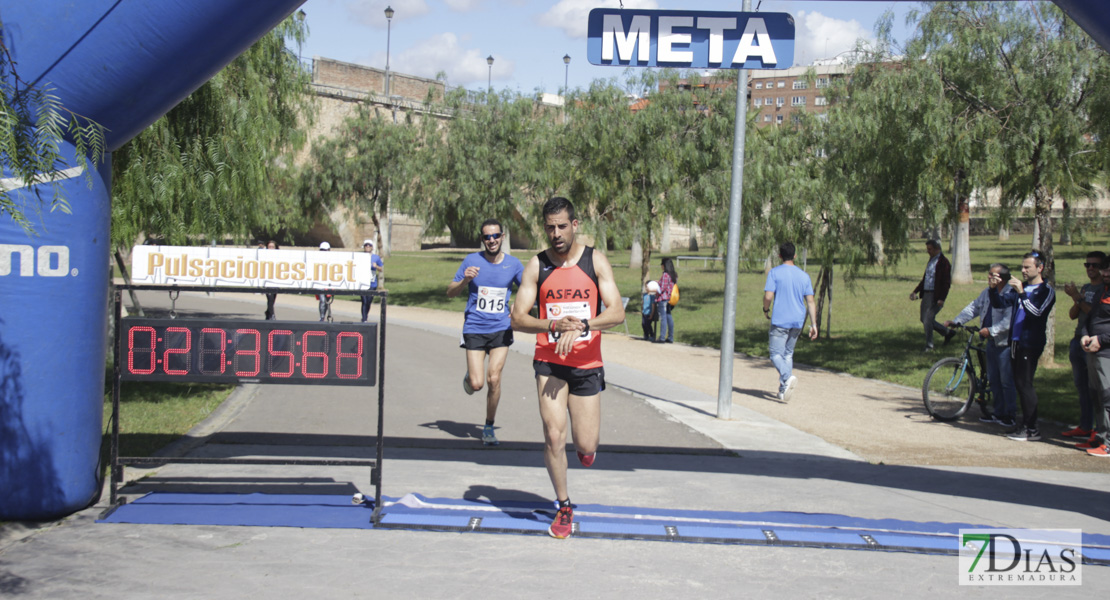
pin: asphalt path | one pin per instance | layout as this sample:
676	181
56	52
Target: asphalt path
658	450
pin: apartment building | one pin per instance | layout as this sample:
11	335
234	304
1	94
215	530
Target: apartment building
779	96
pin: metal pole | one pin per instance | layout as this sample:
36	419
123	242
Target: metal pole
489	79
388	32
732	259
566	85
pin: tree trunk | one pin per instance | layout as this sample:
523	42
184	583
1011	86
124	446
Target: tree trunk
934	233
1003	233
127	279
1043	206
961	248
385	241
636	255
877	245
645	263
824	289
1065	225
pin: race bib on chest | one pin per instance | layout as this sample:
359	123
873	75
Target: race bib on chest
558	310
491	299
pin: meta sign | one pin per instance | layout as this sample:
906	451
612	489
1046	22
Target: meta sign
690	40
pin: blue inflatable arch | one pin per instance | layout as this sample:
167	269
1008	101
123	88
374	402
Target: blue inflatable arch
123	64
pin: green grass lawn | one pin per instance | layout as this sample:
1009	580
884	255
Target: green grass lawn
874	329
153	414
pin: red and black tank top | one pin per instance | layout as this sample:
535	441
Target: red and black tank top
569	291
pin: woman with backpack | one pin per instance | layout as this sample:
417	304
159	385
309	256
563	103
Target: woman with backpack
666	300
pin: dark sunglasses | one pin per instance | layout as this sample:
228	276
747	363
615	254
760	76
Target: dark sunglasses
1092	265
491	236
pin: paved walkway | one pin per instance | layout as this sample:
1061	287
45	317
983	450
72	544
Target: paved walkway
662	447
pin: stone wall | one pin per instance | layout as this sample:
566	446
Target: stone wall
349	76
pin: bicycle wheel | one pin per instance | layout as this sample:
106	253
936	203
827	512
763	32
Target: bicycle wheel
948	389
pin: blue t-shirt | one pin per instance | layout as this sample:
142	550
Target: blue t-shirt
489	305
791	285
375	261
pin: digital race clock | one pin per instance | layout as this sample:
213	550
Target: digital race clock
249	351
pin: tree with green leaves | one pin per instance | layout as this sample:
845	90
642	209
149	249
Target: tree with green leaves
33	126
363	168
477	165
1031	72
630	169
219	163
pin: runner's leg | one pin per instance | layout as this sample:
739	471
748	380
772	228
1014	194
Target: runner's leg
497	357
553	393
585	418
476	368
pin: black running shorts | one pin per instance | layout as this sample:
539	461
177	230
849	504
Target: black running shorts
582	382
487	341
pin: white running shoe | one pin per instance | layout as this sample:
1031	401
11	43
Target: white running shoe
466	384
790	385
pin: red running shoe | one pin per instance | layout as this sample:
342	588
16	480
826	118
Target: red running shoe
1077	432
1102	451
563	523
1090	443
587	460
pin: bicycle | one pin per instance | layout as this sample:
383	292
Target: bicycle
953	383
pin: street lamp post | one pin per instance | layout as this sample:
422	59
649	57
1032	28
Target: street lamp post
489	81
388	31
566	86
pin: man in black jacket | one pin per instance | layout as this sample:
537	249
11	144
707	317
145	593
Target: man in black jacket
933	291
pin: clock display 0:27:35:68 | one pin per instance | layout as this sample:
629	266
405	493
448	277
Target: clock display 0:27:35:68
229	351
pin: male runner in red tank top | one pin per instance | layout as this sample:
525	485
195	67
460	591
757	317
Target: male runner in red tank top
570	282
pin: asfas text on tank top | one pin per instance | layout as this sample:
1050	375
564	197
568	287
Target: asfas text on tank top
569	291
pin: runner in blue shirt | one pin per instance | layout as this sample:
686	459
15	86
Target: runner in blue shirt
489	277
791	292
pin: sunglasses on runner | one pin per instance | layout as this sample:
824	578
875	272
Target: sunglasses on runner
1092	265
491	236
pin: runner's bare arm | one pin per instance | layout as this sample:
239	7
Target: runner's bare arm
610	295
523	321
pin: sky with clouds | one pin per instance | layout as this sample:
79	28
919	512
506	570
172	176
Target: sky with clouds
528	39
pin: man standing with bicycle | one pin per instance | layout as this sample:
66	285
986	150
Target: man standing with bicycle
1031	301
994	325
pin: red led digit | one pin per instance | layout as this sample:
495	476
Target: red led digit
212	351
174	340
255	352
340	354
320	354
131	351
281	358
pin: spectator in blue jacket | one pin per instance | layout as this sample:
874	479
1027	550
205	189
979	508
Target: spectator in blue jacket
1031	302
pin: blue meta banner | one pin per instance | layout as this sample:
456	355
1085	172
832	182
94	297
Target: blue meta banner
690	39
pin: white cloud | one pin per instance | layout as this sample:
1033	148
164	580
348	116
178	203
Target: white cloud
462	5
818	36
572	16
372	12
445	52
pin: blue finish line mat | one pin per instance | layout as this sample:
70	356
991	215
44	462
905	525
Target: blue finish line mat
415	512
